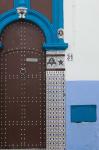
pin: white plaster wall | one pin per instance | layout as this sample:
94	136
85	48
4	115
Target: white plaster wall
82	34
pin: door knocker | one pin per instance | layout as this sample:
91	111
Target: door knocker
23	71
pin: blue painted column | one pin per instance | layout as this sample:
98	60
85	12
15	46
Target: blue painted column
57	14
61	20
22	3
58	21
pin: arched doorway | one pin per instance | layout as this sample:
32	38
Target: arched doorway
22	87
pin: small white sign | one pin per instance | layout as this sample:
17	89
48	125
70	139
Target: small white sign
31	59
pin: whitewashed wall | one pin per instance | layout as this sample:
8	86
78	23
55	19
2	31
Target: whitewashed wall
82	34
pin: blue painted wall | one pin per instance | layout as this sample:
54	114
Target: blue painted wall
85	135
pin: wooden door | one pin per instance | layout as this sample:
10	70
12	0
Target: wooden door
22	87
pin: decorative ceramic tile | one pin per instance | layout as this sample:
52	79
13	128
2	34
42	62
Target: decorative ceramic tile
54	62
55	105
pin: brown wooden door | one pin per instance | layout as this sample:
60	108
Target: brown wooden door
22	87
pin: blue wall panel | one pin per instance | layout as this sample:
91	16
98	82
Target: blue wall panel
83	113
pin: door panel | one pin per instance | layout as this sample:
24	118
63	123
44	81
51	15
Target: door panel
22	87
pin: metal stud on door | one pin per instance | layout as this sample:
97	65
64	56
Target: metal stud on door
22	87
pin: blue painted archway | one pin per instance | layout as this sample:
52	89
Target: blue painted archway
49	29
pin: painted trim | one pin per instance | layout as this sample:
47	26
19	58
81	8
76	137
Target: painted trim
49	30
43	23
33	16
53	46
21	3
61	18
83	113
8	18
57	14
